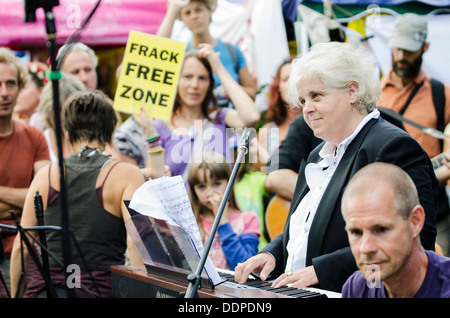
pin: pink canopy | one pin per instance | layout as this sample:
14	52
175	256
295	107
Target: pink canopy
110	24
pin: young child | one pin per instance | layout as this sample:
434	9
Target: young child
238	233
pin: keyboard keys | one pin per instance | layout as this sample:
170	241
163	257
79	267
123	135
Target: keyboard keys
288	291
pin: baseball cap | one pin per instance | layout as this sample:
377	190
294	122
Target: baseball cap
410	32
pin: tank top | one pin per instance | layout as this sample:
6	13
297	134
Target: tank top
100	235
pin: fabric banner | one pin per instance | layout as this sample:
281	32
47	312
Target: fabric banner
438	3
110	24
376	25
256	26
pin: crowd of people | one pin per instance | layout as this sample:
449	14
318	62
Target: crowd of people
365	192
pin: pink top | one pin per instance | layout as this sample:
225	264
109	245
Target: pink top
235	238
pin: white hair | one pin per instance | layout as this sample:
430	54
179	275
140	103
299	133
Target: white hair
337	65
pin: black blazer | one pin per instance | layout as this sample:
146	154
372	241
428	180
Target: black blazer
328	248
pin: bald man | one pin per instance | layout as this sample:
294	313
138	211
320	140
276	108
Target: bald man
383	220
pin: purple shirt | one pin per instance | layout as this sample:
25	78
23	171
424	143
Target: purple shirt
179	148
435	285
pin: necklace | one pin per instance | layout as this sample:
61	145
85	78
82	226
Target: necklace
91	151
191	128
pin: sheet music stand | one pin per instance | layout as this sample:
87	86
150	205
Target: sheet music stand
166	250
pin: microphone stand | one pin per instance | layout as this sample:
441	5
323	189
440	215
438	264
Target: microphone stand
23	237
195	279
55	75
39	212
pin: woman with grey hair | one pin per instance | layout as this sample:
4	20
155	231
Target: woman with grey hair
348	64
334	85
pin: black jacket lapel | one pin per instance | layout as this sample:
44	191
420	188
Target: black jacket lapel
331	200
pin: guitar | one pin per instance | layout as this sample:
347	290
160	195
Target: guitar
437	161
276	214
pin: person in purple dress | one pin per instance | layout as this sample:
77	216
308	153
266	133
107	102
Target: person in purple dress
197	125
383	220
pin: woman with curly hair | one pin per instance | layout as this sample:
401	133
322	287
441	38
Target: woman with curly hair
279	115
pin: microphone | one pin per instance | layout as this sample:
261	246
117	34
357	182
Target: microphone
246	137
32	5
195	279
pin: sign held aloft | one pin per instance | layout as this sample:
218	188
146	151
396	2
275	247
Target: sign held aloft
149	76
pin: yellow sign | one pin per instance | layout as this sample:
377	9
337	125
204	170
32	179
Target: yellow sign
150	69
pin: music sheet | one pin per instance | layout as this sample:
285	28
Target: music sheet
166	199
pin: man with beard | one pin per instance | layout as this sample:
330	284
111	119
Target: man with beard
407	90
408	44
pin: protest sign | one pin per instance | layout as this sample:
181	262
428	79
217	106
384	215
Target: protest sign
148	79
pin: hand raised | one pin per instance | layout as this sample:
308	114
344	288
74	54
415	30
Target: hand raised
207	51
